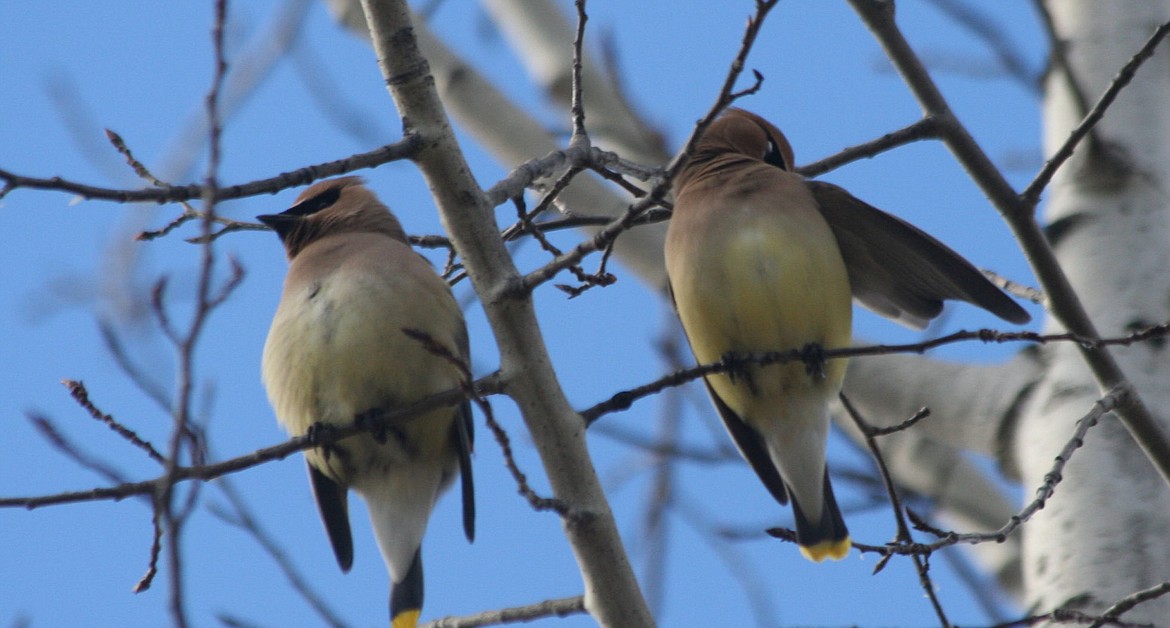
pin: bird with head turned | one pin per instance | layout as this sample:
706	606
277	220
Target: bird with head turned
760	259
347	344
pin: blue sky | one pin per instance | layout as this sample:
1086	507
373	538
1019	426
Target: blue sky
72	68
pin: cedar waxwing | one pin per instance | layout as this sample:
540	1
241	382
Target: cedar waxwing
759	259
337	352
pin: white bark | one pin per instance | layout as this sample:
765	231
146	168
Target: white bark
1104	535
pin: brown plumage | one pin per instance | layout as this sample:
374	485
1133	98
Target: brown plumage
337	351
759	259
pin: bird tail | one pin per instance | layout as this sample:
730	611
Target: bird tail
406	597
399	508
826	538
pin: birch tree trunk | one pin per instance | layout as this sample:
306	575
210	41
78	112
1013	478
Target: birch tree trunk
1105	534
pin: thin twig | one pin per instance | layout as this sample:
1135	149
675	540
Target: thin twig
1064	304
81	395
488	385
727	95
624	399
926	128
524	224
1127	603
1031	194
578	104
921	562
406	148
563	607
1063	616
173	522
873	430
537	502
1044	492
147	578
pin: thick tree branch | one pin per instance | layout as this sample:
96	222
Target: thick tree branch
1063	302
611	592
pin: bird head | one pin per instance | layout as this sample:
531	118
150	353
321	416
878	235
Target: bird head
745	133
331	207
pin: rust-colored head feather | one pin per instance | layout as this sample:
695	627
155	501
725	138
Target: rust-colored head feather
745	133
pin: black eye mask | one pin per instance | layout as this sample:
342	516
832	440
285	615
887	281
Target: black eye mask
312	205
773	156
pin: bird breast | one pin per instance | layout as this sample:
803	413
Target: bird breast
337	349
758	279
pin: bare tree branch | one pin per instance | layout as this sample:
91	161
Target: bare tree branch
1031	195
403	149
611	592
563	607
1103	406
1063	301
921	563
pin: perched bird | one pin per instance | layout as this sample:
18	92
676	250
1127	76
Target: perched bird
338	352
759	259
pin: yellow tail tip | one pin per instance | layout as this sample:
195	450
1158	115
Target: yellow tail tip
406	619
835	550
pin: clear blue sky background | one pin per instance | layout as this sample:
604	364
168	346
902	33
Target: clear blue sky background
71	68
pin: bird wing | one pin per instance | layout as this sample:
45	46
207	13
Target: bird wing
751	446
334	508
464	436
900	271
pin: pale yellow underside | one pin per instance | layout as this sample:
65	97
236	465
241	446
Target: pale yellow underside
337	349
758	281
759	272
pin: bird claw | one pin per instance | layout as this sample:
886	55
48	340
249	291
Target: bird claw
316	434
733	365
367	421
737	369
813	356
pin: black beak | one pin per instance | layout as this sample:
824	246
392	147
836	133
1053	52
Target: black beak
282	224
